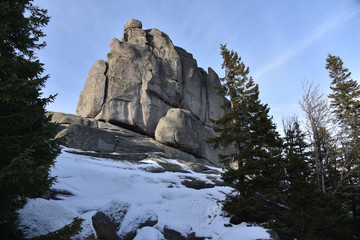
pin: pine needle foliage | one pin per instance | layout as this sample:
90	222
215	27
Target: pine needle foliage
309	213
249	132
345	104
27	150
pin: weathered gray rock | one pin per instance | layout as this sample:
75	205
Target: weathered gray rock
135	219
214	101
181	129
144	77
132	23
105	138
90	139
66	119
130	101
174	234
178	128
196	183
104	227
92	96
133	33
119	220
107	221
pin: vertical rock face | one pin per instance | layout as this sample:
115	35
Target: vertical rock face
144	77
92	97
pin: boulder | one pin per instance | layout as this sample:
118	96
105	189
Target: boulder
170	233
135	219
132	23
108	219
120	220
181	129
104	227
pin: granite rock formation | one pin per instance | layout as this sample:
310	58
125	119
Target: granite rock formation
146	76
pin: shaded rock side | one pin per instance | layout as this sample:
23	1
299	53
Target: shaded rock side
120	220
179	128
104	227
66	119
144	77
171	234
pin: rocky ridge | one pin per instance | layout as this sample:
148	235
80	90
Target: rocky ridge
146	83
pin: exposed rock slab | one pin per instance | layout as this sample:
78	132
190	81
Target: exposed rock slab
105	139
66	119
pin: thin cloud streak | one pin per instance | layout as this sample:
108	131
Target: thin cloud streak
316	34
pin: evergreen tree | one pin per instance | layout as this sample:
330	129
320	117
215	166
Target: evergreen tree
27	150
345	103
249	131
309	213
296	155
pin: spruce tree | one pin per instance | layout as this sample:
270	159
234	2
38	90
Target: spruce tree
249	131
309	213
27	150
296	155
345	103
298	179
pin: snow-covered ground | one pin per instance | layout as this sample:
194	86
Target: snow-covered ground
94	182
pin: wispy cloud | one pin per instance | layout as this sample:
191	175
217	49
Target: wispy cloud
315	35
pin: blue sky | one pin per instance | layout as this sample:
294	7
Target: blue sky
284	42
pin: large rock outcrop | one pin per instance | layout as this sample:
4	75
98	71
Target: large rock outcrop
144	77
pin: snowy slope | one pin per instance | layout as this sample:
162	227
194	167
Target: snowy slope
94	182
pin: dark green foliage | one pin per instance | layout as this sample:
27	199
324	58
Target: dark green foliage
27	150
309	213
313	215
345	103
345	95
248	129
276	182
296	156
64	233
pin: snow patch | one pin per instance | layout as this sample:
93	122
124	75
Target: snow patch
94	182
149	233
244	232
40	216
